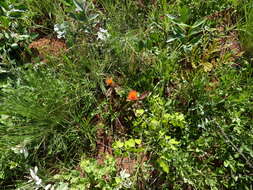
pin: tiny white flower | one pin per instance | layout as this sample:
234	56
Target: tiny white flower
34	177
123	174
20	149
60	30
103	30
102	34
36	169
48	187
24	151
126	183
38	181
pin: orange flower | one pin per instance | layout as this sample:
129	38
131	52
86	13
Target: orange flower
109	81
132	95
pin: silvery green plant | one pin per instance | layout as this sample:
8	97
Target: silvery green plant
124	181
20	149
61	30
37	181
102	34
34	177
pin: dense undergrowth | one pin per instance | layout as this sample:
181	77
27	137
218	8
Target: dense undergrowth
165	85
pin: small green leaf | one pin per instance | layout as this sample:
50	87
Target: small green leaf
78	5
137	141
154	124
118	144
163	165
62	186
139	112
118	180
14	45
130	143
120	91
173	141
226	163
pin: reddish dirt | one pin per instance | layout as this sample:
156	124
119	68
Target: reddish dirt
130	164
104	147
44	47
104	143
229	43
213	84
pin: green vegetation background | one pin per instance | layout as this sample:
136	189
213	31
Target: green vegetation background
190	62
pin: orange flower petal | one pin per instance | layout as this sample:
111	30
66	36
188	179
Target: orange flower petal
132	95
109	81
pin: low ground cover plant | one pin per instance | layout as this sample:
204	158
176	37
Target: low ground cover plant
126	94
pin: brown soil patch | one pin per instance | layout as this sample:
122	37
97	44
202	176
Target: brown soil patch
130	164
229	43
44	47
104	147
